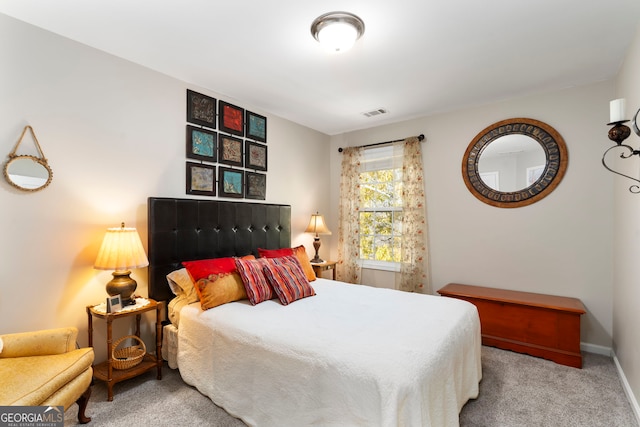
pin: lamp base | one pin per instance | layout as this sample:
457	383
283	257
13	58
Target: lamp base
316	245
122	284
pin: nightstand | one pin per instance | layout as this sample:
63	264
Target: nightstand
105	370
324	266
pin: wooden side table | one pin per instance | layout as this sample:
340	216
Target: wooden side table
324	266
105	371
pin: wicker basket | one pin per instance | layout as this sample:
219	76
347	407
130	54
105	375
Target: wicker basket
127	357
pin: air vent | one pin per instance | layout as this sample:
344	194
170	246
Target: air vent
376	112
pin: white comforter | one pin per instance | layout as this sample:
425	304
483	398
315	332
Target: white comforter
349	356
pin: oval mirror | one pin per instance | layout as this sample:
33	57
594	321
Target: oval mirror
28	173
514	162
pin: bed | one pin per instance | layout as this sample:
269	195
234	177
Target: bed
350	355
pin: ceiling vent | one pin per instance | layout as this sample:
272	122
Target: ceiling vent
376	112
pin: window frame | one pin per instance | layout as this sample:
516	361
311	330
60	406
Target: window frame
376	159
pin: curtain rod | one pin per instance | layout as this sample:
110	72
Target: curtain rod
420	138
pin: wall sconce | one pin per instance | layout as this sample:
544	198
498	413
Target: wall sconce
618	133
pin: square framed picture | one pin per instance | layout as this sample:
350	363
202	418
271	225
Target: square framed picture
231	119
256	126
230	182
256	184
231	151
201	109
114	304
255	156
201	179
202	144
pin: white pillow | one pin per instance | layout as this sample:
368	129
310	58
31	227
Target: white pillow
1	345
182	286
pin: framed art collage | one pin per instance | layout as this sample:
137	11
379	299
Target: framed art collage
230	144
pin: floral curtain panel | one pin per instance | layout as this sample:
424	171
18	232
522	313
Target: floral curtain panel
414	267
349	266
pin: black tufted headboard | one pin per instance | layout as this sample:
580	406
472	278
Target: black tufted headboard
190	229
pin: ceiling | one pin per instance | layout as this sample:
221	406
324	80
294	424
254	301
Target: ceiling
416	57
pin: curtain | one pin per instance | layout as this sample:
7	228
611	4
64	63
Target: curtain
414	266
349	267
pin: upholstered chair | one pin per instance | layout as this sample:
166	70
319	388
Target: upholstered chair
45	368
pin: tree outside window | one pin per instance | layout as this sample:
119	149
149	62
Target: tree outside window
380	209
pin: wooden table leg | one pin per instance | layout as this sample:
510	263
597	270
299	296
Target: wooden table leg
109	360
159	342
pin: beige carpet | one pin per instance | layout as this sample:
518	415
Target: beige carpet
516	390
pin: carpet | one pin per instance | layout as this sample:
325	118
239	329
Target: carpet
516	390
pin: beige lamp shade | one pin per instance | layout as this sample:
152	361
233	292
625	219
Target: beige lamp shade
317	225
121	250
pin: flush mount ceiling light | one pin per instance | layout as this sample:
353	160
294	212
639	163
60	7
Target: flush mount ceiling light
337	31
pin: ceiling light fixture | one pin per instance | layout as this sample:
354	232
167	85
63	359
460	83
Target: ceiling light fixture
337	31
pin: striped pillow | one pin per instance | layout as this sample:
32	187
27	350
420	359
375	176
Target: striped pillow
255	284
299	252
287	279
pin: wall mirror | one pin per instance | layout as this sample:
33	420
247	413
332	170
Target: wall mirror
514	162
26	172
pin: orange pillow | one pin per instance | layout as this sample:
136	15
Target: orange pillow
218	289
299	252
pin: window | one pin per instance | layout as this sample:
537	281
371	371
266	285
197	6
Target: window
380	217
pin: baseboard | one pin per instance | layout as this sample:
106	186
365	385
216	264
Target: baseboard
627	389
597	349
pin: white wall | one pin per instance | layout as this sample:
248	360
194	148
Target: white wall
561	245
114	134
626	316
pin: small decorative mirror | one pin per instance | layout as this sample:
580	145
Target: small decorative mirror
514	162
26	172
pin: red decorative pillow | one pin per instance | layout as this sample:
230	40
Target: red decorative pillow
255	284
299	252
203	268
287	279
275	253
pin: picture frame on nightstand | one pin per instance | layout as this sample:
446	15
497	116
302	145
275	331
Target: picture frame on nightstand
114	304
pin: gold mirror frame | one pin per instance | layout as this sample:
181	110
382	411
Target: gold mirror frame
555	166
40	161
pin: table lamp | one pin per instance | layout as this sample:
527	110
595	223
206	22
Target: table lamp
317	226
121	250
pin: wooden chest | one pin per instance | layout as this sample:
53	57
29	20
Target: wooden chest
541	325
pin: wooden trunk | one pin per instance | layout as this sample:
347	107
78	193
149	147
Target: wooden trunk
541	325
